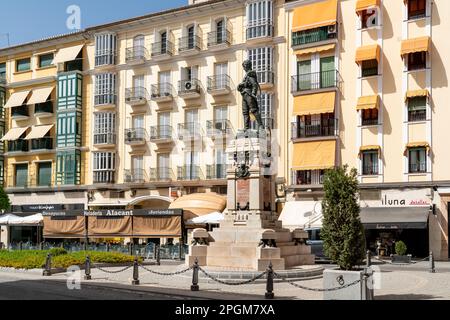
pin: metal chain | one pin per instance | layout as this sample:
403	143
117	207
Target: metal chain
401	264
108	271
316	289
233	283
164	273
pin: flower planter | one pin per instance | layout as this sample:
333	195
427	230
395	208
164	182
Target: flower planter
401	259
335	278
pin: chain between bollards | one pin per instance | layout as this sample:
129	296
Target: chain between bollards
432	267
48	266
269	287
87	269
135	281
195	286
368	259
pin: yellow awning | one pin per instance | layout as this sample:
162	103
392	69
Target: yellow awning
17	99
366	53
38	132
417	93
314	103
40	95
67	54
420	144
14	134
315	155
368	102
315	49
315	15
421	44
362	5
369	148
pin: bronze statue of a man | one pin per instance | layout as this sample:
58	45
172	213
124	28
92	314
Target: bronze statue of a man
249	89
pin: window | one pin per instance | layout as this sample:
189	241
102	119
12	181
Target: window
105	128
261	59
369	68
416	9
163	42
68	167
3	70
370	163
259	19
220	31
191	37
417	160
23	65
105	89
309	177
21	175
45	60
265	102
417	109
369	117
105	49
316	125
104	167
417	61
44	174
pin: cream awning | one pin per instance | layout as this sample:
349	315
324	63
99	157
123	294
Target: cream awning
417	93
40	95
199	204
362	5
67	54
314	155
14	134
368	102
314	103
38	132
315	15
421	44
17	99
367	53
315	49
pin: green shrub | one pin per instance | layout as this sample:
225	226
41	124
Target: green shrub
400	248
57	252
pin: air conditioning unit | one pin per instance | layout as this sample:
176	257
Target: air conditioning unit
188	85
131	135
332	30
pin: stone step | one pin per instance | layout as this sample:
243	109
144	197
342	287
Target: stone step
294	250
296	260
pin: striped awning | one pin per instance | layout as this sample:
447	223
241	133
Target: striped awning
368	102
67	54
38	132
40	95
315	49
17	99
14	134
421	44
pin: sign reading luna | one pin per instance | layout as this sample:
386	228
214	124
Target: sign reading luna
115	213
406	198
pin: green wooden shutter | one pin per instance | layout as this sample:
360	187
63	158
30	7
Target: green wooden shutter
21	175
45	174
304	75
327	72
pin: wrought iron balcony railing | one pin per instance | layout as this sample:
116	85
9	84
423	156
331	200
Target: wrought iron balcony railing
136	54
161	133
45	143
316	128
308	177
135	135
370	169
189	130
420	167
135	176
313	35
216	38
161	174
316	81
216	172
162	90
136	94
190	43
186	87
105	138
19	145
189	172
104	176
162	48
219	82
221	127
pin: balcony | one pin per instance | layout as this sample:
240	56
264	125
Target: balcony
43	110
308	177
104	176
162	92
324	81
218	40
136	55
314	36
417	115
20	113
136	96
161	174
19	145
369	122
105	139
216	172
189	89
136	136
162	50
135	176
161	134
316	128
266	78
260	29
189	45
219	128
189	172
420	167
189	131
105	101
45	143
219	85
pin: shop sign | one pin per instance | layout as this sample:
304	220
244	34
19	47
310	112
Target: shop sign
408	198
41	207
114	213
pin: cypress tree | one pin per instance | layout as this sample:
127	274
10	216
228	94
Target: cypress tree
5	204
342	232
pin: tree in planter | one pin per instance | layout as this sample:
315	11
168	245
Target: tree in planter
5	203
342	231
400	248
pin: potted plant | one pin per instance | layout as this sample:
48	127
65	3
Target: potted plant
343	236
400	256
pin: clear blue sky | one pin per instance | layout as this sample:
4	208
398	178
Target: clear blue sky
28	20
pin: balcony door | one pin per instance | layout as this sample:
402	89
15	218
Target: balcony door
192	121
164	125
137	167
163	166
220	71
191	159
138	122
304	75
44	174
21	175
220	31
191	37
164	42
221	162
164	82
220	117
327	72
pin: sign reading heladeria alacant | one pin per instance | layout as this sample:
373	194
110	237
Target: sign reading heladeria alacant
115	212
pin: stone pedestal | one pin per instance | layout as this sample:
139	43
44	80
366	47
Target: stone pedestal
251	237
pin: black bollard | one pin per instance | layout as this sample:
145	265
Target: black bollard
135	281
158	255
87	270
432	268
108	247
20	246
48	266
269	287
195	286
368	259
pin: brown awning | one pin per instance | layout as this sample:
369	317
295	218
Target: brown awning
157	227
64	227
421	44
315	15
362	5
109	226
367	53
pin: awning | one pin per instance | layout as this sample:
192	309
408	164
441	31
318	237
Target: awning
315	49
369	148
17	99
301	215
417	93
382	218
368	102
14	134
314	103
212	218
67	54
109	226
66	227
315	15
362	5
38	132
421	44
199	204
33	220
420	144
157	227
5	219
315	155
40	95
367	53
